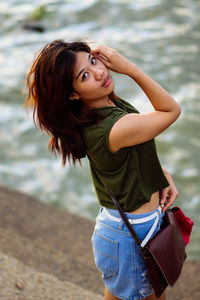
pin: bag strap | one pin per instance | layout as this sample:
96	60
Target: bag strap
124	217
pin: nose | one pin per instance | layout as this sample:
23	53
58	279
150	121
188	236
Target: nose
98	73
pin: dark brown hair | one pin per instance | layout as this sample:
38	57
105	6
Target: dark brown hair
50	85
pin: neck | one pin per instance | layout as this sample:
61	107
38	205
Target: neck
97	104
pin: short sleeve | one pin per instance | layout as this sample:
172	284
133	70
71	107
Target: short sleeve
112	119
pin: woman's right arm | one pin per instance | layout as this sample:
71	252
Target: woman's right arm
134	128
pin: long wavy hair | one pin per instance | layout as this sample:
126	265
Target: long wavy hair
49	83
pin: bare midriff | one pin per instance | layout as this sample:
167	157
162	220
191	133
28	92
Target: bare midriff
150	206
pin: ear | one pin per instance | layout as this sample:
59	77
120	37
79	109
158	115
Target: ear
74	96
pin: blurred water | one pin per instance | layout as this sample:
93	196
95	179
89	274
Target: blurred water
161	36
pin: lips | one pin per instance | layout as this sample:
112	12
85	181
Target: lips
106	82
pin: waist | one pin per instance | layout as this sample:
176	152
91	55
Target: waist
133	219
149	206
144	224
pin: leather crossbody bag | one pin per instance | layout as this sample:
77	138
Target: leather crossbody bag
165	253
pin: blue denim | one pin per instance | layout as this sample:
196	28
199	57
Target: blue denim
117	256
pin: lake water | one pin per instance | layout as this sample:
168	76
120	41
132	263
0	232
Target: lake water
161	36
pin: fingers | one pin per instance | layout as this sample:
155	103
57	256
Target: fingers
164	194
169	194
112	59
103	59
104	53
103	50
168	197
169	202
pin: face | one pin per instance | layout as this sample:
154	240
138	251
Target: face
92	83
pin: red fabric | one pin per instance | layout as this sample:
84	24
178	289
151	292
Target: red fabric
184	222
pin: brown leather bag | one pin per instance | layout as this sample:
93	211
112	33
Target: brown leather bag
164	254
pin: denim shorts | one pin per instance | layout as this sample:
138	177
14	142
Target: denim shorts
117	256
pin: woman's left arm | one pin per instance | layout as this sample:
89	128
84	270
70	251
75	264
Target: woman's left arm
169	194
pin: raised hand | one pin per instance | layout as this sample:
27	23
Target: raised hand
112	59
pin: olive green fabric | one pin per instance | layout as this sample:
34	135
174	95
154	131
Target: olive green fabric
133	173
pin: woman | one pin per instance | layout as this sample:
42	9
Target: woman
73	97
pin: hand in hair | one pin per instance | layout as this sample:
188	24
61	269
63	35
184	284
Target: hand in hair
112	59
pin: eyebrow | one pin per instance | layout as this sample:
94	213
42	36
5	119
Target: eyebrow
83	68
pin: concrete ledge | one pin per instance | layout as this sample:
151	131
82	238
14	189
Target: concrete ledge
19	282
48	239
53	241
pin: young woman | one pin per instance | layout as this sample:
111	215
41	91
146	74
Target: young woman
72	94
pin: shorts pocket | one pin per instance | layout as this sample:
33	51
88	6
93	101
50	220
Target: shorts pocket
105	254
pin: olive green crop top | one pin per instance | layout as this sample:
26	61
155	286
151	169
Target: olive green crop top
133	173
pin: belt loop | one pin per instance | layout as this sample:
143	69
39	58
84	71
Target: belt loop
160	208
121	224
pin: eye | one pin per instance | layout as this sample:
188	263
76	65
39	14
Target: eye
93	60
85	75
